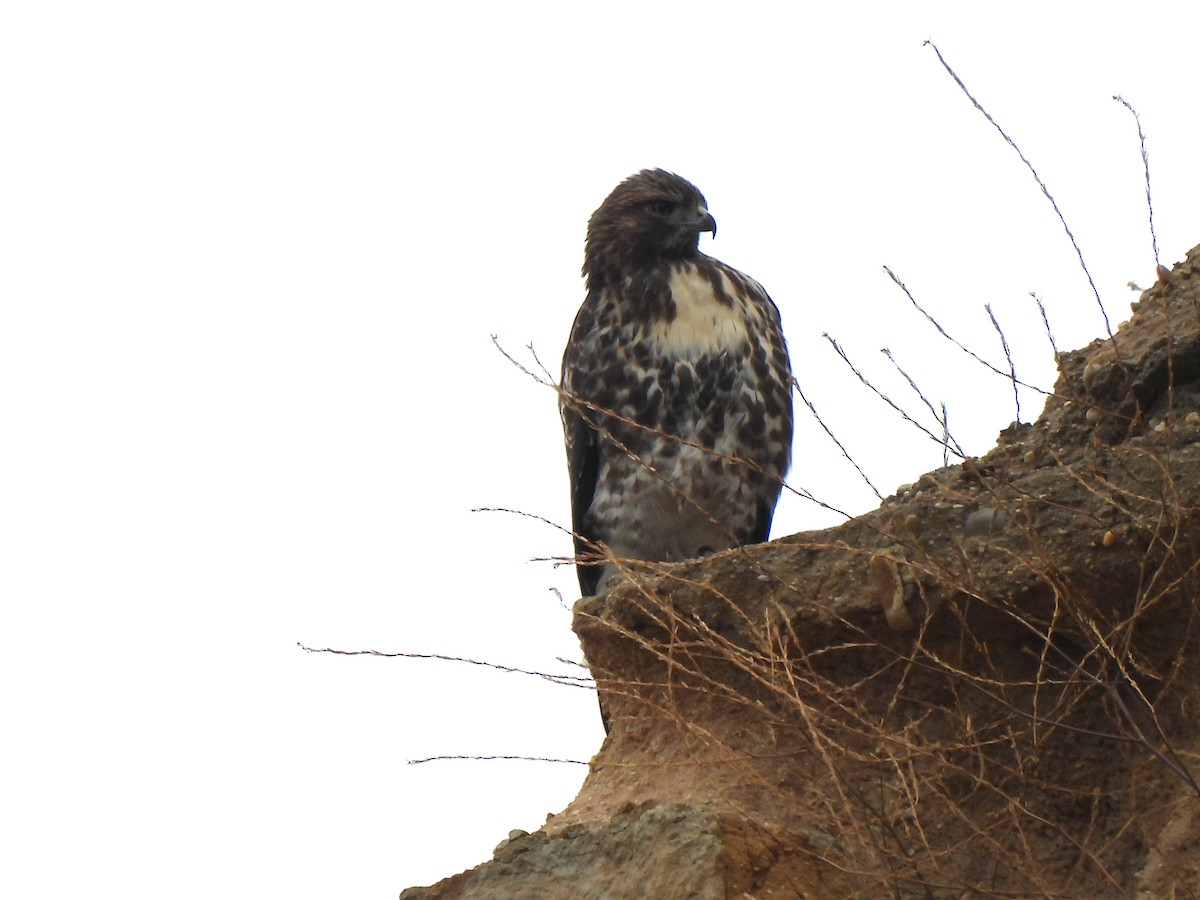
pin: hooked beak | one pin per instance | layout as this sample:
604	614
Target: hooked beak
706	221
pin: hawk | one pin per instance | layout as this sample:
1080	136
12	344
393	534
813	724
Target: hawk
676	401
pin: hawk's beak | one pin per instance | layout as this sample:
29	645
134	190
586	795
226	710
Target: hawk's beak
707	222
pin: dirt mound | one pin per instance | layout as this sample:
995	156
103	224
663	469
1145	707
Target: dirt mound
988	686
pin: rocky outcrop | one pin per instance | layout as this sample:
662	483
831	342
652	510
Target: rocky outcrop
989	685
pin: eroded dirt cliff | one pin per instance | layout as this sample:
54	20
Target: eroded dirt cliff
988	686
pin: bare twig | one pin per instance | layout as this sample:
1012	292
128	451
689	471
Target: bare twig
1146	167
1008	356
1046	322
943	419
878	393
942	331
846	453
1038	178
580	681
473	758
522	514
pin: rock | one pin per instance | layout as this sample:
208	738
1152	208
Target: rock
658	849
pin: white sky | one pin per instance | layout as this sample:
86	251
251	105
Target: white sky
251	256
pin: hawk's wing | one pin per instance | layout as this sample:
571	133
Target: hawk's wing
779	389
583	463
762	522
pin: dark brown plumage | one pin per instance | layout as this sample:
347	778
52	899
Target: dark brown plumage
677	390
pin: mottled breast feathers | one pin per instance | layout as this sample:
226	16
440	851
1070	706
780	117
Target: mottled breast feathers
676	399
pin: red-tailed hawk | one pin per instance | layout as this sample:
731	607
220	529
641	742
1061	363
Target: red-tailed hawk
677	401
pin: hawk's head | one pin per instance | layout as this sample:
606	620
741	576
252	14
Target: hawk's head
649	217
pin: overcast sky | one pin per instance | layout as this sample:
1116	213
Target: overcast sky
253	255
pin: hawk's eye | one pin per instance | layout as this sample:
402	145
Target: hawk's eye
662	207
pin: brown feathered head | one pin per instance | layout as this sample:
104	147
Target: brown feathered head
651	217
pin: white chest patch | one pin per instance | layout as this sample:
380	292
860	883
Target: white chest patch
702	323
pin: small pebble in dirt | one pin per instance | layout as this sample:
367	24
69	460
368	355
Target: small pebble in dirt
985	520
